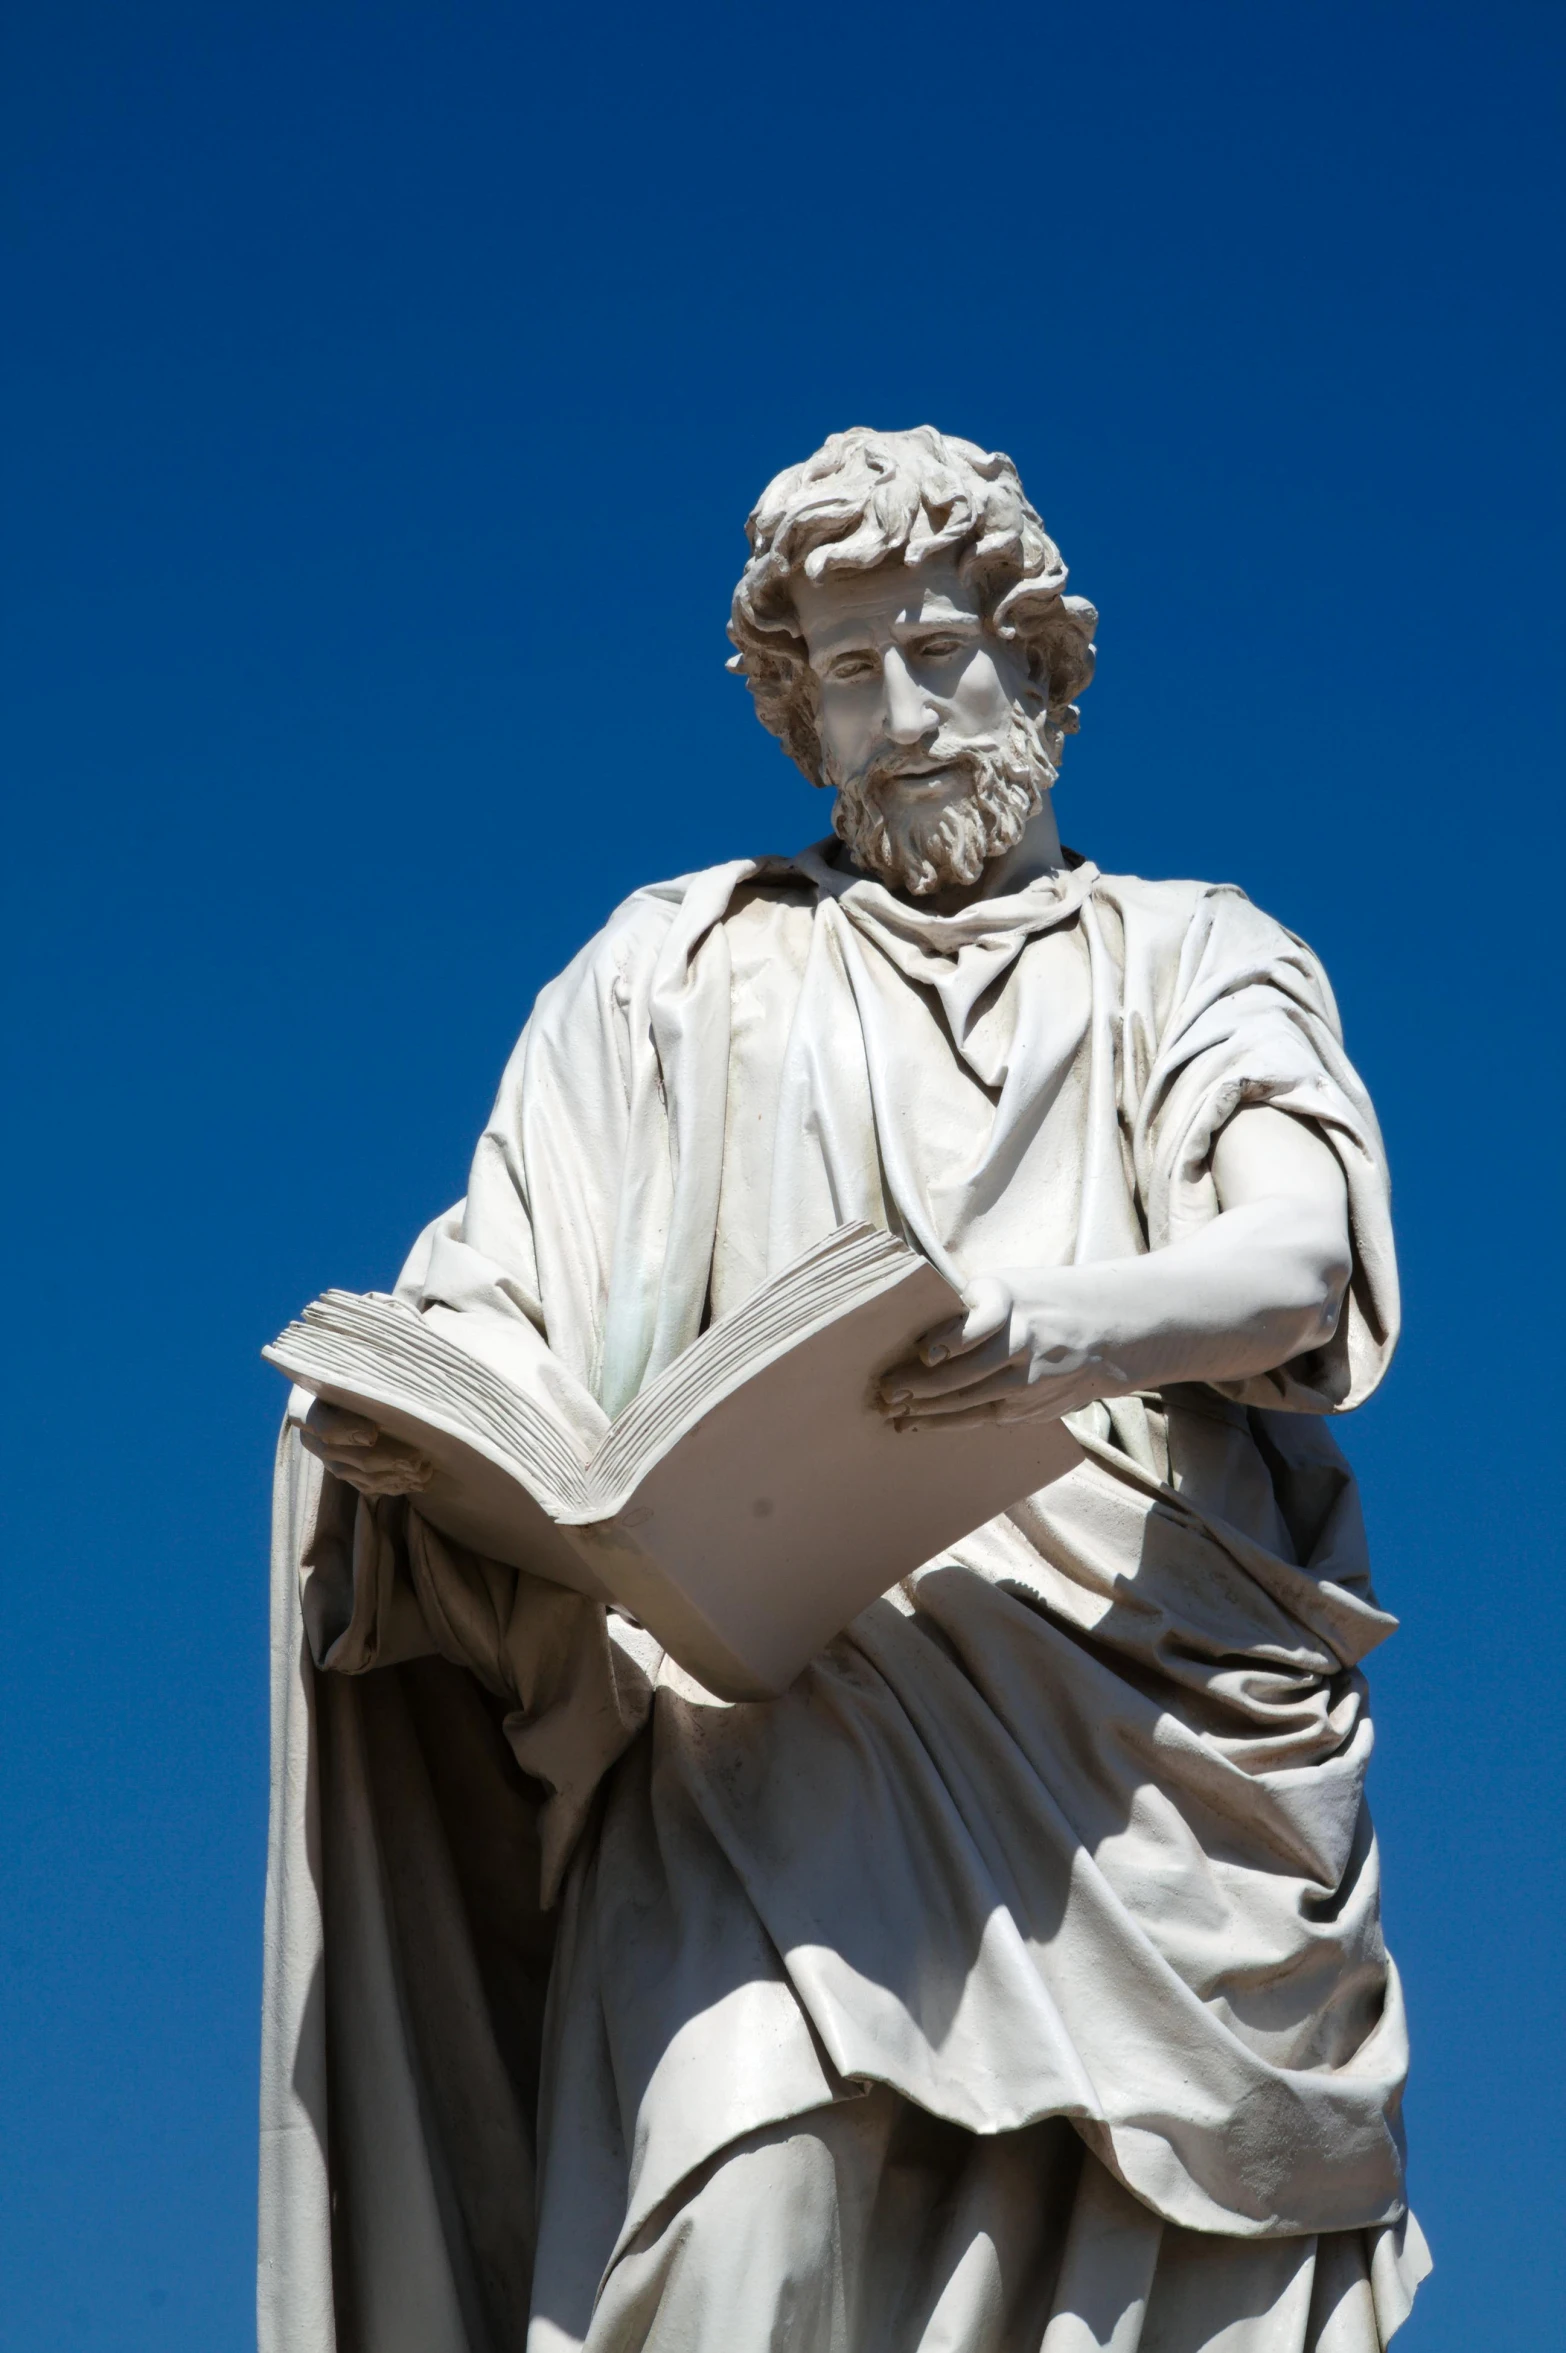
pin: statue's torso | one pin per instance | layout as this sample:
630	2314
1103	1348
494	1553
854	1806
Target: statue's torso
833	1074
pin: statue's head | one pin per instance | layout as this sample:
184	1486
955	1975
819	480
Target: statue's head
902	627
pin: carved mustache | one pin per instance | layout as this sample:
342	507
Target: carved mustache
895	767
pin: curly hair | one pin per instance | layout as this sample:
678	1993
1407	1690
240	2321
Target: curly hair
863	500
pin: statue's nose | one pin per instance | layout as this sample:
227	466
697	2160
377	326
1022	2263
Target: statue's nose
909	715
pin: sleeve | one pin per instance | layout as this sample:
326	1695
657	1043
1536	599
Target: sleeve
379	1587
523	1260
1251	1018
515	1274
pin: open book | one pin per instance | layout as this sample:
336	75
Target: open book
747	1503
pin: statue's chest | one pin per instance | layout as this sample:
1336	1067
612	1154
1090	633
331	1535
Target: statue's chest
948	1108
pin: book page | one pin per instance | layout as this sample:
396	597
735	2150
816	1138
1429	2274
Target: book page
503	1467
855	1263
792	1504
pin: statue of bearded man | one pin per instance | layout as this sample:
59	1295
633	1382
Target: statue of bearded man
1014	1980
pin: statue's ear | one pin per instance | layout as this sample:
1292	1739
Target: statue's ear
1036	692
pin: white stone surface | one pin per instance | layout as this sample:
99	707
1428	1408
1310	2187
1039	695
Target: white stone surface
1016	1978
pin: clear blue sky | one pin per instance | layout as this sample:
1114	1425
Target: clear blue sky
385	390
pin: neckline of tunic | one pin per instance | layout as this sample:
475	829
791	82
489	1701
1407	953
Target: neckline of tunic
989	924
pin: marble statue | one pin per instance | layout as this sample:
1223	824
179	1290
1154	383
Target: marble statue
1014	1983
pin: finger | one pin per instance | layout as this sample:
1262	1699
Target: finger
393	1461
1003	1395
344	1462
406	1465
324	1449
339	1427
330	1445
353	1459
912	1381
397	1479
986	1308
987	1304
958	1414
943	1340
376	1478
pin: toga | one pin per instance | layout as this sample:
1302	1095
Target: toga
1016	1979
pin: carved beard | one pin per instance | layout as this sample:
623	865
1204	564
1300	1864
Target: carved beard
929	849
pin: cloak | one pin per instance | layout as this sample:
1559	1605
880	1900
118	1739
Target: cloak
1069	1827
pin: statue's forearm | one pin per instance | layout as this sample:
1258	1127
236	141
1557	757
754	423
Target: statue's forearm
1264	1281
1261	1284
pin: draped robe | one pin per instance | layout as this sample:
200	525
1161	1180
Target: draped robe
1048	1889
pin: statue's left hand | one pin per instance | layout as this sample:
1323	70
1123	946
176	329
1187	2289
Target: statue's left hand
1022	1348
361	1452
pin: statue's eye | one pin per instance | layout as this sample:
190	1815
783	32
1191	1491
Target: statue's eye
854	667
939	649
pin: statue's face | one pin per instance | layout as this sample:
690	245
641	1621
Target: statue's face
928	724
910	679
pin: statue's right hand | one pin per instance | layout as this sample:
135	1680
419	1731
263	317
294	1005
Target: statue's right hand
362	1453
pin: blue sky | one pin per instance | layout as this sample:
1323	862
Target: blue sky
385	391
